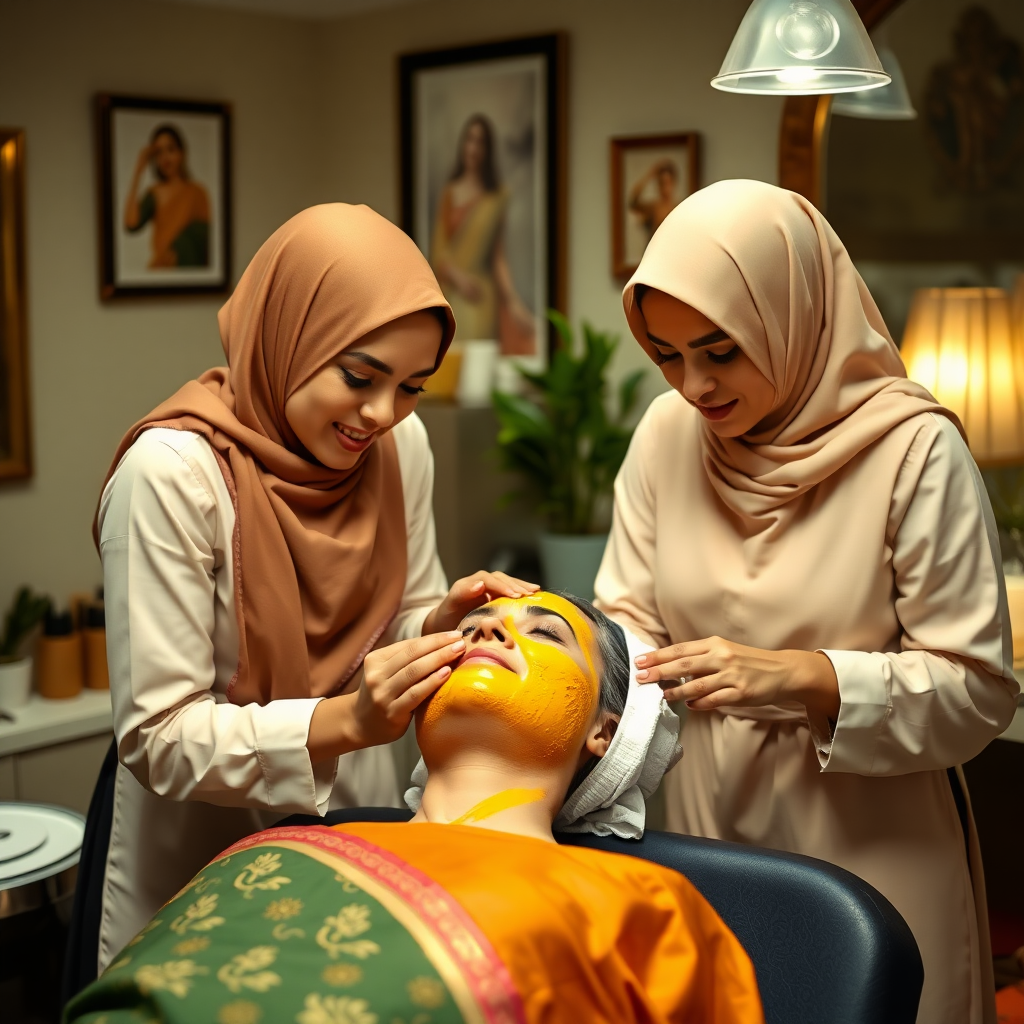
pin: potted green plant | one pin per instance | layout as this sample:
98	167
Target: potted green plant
561	437
25	613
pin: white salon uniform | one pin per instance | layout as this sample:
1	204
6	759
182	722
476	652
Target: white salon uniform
201	772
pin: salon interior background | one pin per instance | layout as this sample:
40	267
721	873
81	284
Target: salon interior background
315	113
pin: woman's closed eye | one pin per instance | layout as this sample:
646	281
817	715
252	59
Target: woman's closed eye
354	380
411	389
721	358
661	358
549	632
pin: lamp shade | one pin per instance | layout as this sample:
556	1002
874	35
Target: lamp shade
799	48
890	103
961	344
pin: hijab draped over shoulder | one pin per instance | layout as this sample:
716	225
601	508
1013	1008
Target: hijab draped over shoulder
319	553
766	267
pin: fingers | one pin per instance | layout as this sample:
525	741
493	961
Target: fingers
418	670
391	660
421	691
485	586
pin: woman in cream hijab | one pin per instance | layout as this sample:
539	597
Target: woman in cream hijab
261	531
803	534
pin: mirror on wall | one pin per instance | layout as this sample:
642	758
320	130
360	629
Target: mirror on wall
937	200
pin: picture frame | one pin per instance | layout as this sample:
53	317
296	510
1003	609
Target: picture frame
164	170
642	195
483	165
15	436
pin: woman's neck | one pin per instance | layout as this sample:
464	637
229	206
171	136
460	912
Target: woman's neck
494	795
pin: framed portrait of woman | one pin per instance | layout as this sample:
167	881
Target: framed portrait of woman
165	196
483	182
650	176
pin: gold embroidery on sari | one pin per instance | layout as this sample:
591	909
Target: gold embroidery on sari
426	992
335	1010
349	922
342	974
249	970
145	931
174	976
239	1012
264	864
281	910
187	947
197	916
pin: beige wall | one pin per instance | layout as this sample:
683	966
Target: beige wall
635	67
97	367
315	119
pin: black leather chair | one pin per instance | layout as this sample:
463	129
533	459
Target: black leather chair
826	946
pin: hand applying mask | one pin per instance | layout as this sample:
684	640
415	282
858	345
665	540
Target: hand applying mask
471	591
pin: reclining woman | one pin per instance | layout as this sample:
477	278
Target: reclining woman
472	912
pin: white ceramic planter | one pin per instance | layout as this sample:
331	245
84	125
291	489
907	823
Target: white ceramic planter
15	683
570	561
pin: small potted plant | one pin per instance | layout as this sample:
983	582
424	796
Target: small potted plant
26	612
561	437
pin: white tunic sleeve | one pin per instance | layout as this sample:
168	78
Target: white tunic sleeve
625	584
938	700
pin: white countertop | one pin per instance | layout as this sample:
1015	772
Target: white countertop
42	722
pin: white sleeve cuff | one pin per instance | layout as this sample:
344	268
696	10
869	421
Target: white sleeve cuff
294	784
864	707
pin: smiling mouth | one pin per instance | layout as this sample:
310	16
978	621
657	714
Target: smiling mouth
717	412
481	654
353	440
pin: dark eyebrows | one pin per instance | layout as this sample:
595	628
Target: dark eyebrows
531	609
371	361
540	610
701	342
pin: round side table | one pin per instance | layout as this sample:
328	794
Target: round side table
39	850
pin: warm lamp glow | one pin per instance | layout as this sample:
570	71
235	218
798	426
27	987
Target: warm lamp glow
964	346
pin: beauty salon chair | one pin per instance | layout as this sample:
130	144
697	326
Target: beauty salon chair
826	946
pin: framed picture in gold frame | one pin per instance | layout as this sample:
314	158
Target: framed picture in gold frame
15	440
650	176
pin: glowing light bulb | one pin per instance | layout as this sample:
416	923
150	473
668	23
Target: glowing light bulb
796	76
807	31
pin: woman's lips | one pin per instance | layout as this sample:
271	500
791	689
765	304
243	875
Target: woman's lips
481	654
352	444
717	412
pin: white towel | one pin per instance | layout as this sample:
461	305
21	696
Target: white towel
610	800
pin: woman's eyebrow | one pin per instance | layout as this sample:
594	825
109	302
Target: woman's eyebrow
371	361
701	342
538	610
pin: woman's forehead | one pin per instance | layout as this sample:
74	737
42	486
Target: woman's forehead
542	603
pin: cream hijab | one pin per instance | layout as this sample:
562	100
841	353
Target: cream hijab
765	266
319	554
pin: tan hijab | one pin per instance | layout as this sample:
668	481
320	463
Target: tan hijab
765	266
319	554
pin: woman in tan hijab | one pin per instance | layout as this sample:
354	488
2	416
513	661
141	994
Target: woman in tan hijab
803	534
261	531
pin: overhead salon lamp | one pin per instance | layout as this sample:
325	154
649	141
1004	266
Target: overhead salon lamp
800	48
890	103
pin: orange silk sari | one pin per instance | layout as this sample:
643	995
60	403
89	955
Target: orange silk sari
586	936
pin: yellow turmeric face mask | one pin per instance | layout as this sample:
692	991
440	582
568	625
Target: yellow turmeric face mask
526	689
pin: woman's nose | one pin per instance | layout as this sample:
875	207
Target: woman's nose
492	628
380	410
697	384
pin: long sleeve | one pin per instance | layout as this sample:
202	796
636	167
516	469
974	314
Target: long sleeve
425	585
162	522
949	689
625	584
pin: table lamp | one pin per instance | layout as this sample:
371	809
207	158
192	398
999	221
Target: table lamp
966	346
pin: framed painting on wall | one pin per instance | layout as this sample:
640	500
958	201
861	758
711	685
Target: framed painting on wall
650	176
165	196
15	443
483	183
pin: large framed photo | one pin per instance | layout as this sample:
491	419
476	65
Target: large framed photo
165	196
650	175
483	182
15	441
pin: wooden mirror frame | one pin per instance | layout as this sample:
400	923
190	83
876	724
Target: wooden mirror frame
16	460
805	118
